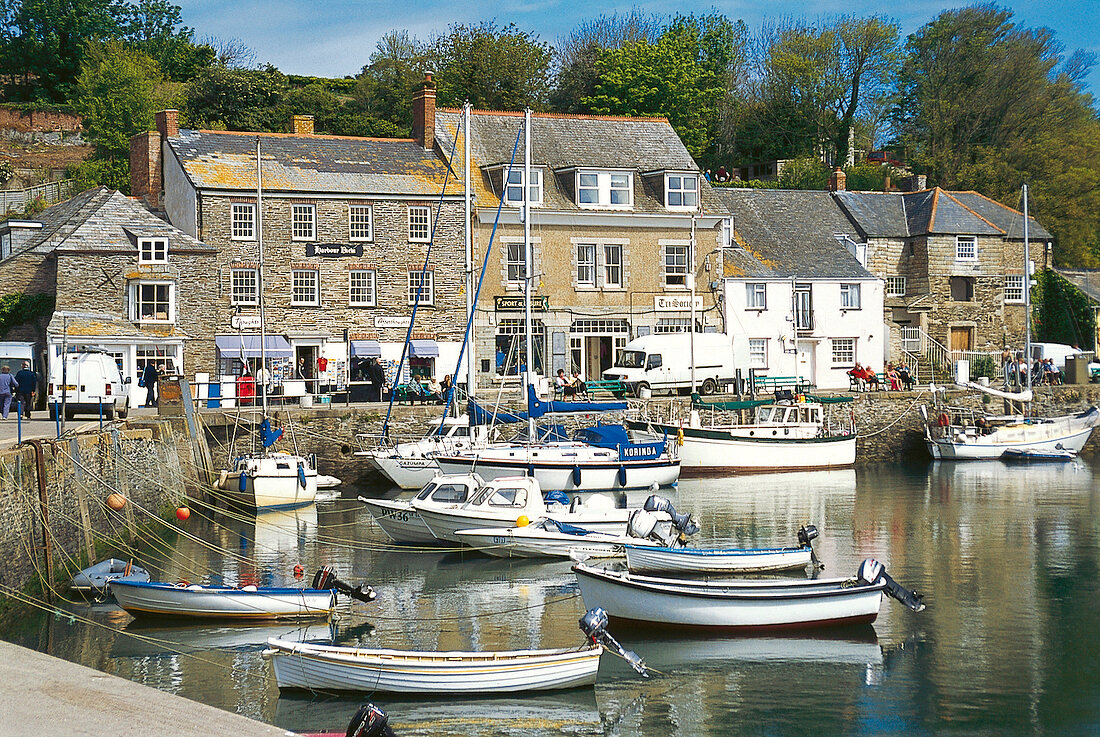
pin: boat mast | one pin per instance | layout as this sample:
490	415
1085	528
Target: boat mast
528	264
260	276
1027	296
691	283
471	374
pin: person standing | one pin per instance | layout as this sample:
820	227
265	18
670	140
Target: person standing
28	383
149	378
377	378
8	386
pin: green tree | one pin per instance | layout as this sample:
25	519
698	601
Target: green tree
385	85
807	172
156	27
494	68
236	99
116	96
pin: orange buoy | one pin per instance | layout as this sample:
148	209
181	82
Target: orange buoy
182	513
522	521
298	570
116	501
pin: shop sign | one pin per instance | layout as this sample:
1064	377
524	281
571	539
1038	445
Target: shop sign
505	304
334	250
245	322
675	303
391	321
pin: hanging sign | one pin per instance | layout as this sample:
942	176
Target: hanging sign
538	303
334	250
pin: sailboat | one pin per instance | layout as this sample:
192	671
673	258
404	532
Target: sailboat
962	433
268	479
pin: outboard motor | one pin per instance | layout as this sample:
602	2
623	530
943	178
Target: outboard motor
325	578
871	572
685	524
806	535
594	625
369	721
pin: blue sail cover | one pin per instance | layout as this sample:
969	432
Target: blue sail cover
481	416
539	407
267	435
615	437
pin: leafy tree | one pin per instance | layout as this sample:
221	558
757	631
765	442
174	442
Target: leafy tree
116	96
156	27
385	85
19	309
1061	313
236	99
807	172
113	173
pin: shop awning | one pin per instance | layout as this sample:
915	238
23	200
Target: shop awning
366	348
422	348
248	346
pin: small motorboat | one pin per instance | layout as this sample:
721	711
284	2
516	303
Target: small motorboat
747	605
193	601
94	579
1031	455
300	665
683	560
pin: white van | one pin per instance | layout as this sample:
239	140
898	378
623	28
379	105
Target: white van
663	363
91	380
1058	351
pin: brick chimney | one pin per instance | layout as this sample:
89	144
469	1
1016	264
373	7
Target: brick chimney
146	179
168	123
837	180
301	125
424	113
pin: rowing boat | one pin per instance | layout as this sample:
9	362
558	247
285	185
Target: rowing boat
697	561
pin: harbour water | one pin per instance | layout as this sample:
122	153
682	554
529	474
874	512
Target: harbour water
1006	557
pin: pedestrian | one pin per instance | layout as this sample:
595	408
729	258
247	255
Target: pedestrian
149	378
28	384
377	378
8	386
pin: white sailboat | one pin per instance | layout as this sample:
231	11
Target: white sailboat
961	433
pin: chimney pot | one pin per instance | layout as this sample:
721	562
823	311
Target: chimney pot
301	125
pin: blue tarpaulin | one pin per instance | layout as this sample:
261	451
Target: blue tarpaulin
539	407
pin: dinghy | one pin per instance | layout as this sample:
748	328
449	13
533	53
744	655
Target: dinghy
155	599
94	579
742	605
300	665
689	561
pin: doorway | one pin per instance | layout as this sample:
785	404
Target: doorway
807	362
959	339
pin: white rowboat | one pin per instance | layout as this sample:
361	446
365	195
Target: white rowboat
221	602
652	559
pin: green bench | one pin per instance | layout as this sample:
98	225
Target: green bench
613	387
412	393
797	384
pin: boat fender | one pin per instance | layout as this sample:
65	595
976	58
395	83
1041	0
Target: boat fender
680	436
302	475
871	572
944	420
576	475
530	469
242	483
223	476
622	475
369	721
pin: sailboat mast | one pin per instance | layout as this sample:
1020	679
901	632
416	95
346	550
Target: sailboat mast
528	263
691	282
471	374
1027	295
260	275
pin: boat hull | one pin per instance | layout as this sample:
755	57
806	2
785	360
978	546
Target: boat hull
445	523
406	473
647	559
328	668
271	482
555	475
1061	435
220	602
523	542
400	521
730	606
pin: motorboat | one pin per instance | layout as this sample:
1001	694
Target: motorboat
409	464
742	605
94	578
403	524
699	561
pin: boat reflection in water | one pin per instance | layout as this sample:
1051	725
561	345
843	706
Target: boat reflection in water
140	640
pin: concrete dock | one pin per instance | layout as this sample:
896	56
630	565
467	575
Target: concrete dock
44	695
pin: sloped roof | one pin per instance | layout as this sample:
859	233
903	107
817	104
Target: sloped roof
104	220
561	143
785	233
1087	280
1008	220
933	212
222	160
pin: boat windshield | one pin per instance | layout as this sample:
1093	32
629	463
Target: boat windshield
427	490
630	359
501	497
450	493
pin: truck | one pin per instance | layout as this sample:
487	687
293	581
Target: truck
89	382
663	363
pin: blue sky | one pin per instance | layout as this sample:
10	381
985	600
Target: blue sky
334	38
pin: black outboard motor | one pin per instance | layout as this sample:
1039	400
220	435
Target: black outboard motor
684	523
871	572
325	578
806	535
369	721
594	625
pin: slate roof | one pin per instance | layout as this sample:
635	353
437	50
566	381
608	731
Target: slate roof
933	212
785	233
561	143
221	160
104	220
1087	280
1008	220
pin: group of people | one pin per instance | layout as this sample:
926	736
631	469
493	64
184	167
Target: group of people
20	386
1014	369
896	377
569	387
721	176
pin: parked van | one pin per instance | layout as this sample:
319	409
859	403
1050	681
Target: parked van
91	380
663	363
1058	351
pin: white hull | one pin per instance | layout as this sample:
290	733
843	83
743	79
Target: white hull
400	521
741	605
271	482
647	559
221	602
1069	433
533	542
329	668
406	473
554	469
444	523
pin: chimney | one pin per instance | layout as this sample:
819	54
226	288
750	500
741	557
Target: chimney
168	123
145	169
837	180
301	125
424	113
886	183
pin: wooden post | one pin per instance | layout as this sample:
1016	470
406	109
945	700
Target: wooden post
85	522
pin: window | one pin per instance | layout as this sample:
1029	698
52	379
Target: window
849	296
672	325
244	287
756	296
758	352
803	308
152	302
586	265
360	223
681	190
605	189
361	292
419	227
728	239
305	287
1014	288
152	250
422	283
895	286
844	351
966	248
612	265
962	288
242	219
676	266
515	262
513	191
5	245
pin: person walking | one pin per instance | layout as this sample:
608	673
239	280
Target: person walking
28	384
8	387
149	377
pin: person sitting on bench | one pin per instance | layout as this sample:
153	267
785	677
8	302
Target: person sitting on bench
564	385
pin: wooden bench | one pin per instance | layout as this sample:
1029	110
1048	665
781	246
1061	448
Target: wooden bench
613	387
796	384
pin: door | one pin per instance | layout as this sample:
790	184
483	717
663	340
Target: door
959	339
807	362
592	368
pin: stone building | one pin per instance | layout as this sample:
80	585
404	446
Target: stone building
619	214
347	224
123	281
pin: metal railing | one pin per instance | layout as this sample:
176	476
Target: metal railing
50	193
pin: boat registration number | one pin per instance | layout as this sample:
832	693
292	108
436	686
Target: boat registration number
397	516
497	540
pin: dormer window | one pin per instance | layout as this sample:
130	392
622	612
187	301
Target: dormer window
513	190
152	250
681	191
605	188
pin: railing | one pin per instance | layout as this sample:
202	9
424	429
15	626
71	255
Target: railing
50	193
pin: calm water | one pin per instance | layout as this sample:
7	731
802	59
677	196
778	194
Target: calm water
1006	557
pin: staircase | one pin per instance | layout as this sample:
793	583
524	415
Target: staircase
927	358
